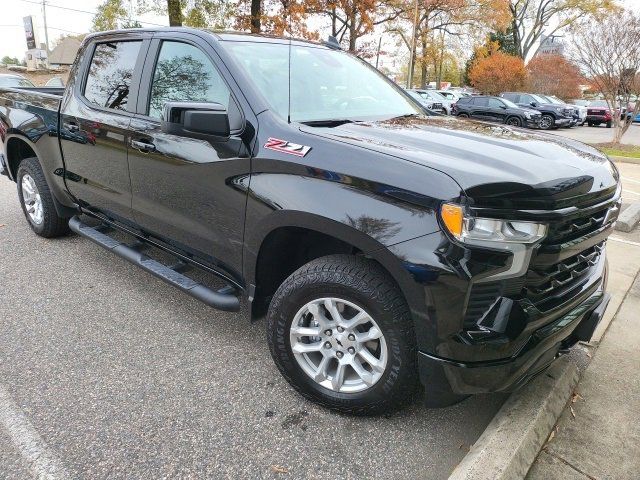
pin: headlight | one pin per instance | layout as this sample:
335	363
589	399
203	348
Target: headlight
527	114
471	229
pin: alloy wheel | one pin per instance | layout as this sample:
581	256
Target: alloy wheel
32	200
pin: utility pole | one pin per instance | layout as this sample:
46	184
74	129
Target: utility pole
46	31
413	46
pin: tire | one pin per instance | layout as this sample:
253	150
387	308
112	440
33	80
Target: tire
463	115
43	218
590	124
547	122
359	283
514	122
609	123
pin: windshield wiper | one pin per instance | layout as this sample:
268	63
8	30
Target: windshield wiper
332	122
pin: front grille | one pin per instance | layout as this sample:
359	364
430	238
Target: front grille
573	228
596	112
544	284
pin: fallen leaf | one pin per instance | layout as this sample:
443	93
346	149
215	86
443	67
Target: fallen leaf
2	225
551	435
279	469
573	414
575	397
460	446
589	354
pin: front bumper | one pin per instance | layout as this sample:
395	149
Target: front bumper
509	374
599	118
563	122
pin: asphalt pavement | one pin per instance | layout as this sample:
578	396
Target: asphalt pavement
600	134
107	372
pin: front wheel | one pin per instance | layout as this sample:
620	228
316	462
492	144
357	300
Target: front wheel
546	122
463	115
37	201
342	335
609	123
514	122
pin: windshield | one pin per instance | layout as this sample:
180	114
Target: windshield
539	99
509	103
432	95
599	103
15	82
324	85
555	100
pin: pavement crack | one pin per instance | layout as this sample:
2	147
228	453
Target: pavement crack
568	464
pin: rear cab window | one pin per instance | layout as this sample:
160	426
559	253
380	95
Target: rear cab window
110	73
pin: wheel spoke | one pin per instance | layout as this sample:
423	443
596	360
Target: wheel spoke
362	317
307	347
338	377
366	376
321	371
318	316
372	334
371	360
306	331
332	308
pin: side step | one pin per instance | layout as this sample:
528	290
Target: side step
222	299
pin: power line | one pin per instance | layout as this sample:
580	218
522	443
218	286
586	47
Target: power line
50	28
82	11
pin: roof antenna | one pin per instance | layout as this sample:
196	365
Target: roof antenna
332	42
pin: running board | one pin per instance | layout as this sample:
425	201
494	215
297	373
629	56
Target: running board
222	299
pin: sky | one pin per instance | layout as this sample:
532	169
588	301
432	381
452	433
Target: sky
62	19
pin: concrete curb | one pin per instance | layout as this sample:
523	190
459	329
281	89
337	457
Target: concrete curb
629	218
625	159
511	442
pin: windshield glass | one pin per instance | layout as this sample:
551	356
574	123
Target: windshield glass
599	103
324	85
539	99
15	82
433	95
509	103
555	100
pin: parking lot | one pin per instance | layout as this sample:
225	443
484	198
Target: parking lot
600	134
106	372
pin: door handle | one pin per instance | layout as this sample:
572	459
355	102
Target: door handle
144	147
71	127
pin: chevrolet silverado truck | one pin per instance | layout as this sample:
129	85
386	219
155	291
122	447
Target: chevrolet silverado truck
388	249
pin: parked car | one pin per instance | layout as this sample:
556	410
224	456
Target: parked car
598	113
451	96
440	104
579	113
55	82
553	116
430	105
14	80
385	247
496	109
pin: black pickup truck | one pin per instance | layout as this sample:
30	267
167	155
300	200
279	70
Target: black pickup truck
386	247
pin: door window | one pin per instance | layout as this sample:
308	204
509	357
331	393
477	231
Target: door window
481	102
495	103
110	74
183	73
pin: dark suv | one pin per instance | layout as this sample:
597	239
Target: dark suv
494	109
553	116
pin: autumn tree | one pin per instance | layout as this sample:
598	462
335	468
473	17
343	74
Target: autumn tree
611	60
496	72
439	19
554	75
110	14
530	19
277	17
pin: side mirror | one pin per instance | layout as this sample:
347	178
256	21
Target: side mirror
504	107
196	119
534	104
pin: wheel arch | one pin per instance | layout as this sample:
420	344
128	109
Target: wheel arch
287	246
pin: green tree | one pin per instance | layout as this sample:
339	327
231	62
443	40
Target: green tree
109	15
7	60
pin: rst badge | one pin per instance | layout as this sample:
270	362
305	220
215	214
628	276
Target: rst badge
287	147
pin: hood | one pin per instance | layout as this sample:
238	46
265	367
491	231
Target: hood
495	165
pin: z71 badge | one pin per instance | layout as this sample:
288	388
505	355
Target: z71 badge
287	147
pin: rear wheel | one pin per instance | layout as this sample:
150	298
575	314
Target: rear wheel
546	122
609	123
341	334
463	115
514	122
37	201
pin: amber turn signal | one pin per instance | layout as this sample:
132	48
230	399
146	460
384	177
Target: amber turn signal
452	218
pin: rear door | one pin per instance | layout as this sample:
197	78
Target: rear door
94	121
185	190
479	108
497	111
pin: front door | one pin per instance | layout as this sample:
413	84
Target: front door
94	121
185	190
